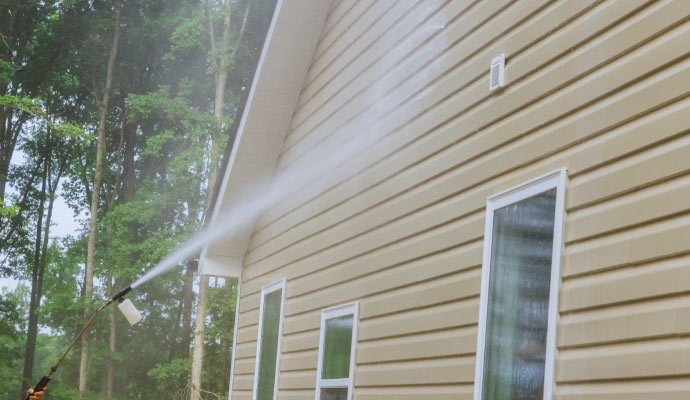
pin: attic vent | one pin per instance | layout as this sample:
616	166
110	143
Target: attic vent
497	72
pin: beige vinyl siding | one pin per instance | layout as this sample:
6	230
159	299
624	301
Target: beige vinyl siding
598	87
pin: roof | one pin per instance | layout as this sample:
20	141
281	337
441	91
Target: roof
281	71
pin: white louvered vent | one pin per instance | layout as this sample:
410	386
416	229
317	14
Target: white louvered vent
497	72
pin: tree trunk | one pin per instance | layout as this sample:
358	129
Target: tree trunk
188	288
91	246
174	348
9	135
224	342
4	169
111	362
4	166
128	167
241	34
6	148
40	259
32	331
110	281
199	337
187	299
219	106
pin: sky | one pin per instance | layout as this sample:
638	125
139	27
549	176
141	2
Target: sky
65	221
64	224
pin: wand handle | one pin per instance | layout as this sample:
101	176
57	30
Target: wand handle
46	378
40	385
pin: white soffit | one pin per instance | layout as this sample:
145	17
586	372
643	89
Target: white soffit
287	54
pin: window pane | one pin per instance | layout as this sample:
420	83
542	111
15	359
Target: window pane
334	394
269	345
518	300
338	342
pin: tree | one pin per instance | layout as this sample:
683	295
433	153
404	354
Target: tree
12	308
222	56
91	248
33	45
38	267
48	151
164	129
18	58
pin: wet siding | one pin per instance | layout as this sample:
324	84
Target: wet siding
598	87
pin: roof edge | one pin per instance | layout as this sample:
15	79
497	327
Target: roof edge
280	73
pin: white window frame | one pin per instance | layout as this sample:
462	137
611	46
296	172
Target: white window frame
558	180
265	291
330	313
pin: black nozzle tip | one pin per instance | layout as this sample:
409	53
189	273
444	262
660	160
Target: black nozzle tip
122	293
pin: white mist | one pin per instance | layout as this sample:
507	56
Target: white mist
365	130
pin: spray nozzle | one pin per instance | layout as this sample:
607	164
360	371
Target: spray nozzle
120	296
129	311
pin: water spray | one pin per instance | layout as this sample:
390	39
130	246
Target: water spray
340	155
127	309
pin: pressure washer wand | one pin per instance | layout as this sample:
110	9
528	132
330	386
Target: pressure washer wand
46	378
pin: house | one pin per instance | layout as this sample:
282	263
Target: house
470	200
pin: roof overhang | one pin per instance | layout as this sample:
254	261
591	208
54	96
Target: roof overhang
285	59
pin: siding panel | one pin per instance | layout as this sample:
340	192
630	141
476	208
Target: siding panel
597	19
454	342
665	317
454	392
638	282
661	389
665	357
579	93
392	29
600	87
447	370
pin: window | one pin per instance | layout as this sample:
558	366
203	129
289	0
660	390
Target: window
523	243
268	344
337	352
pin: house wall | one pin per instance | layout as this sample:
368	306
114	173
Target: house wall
598	87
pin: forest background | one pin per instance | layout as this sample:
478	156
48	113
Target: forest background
123	110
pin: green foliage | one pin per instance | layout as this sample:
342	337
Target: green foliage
34	108
172	378
157	163
25	104
188	33
7	70
8	211
13	306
